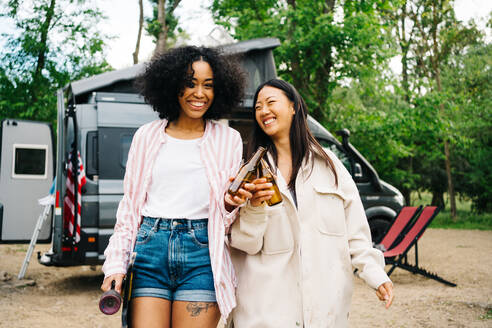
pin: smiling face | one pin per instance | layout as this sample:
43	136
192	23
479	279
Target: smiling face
274	112
197	96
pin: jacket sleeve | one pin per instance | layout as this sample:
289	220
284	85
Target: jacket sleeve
235	163
120	244
248	230
368	260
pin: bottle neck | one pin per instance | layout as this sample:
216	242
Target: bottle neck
258	155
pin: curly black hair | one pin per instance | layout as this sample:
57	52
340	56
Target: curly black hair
167	74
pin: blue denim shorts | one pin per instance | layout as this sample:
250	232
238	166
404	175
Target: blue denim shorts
173	260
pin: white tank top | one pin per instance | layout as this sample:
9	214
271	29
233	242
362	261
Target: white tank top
179	187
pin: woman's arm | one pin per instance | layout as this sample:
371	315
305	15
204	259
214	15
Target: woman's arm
230	209
118	250
247	231
368	260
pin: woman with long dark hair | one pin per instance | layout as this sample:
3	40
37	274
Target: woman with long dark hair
294	261
172	213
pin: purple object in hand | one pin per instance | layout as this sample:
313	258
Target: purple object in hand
110	301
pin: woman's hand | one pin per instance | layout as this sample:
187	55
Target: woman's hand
257	192
244	193
262	192
118	279
385	293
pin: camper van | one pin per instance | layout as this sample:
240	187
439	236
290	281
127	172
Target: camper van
97	118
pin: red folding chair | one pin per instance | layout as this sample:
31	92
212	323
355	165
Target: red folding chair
397	256
398	228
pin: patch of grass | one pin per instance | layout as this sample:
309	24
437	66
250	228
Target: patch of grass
21	249
466	218
487	315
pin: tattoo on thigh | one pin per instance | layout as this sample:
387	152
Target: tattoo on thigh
195	308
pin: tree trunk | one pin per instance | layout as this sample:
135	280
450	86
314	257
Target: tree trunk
437	77
322	76
160	46
452	196
139	36
295	61
405	47
42	51
406	194
437	199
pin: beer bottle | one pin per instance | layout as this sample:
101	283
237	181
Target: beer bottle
247	173
265	172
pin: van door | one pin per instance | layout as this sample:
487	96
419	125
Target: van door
118	118
26	175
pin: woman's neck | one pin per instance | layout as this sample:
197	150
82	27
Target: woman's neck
282	145
284	157
185	128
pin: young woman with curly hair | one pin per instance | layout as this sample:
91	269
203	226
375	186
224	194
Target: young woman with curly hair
294	261
172	212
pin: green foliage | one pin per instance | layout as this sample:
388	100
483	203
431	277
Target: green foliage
154	26
324	44
395	137
470	107
54	42
336	54
467	218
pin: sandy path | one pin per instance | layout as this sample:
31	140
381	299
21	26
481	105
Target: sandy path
67	297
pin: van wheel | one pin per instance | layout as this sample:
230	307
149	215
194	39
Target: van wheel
378	228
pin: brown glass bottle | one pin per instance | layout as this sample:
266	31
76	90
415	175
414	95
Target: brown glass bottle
266	173
247	173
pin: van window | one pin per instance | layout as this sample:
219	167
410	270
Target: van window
125	143
30	161
357	171
255	76
338	152
360	173
244	127
113	145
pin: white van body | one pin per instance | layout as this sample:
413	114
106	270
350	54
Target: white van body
26	175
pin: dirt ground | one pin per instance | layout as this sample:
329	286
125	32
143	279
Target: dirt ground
68	297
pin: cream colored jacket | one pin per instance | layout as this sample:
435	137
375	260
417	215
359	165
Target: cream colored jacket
295	266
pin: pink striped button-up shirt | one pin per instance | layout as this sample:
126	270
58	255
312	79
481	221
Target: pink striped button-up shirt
221	151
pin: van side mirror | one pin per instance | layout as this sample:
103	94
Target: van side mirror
357	170
345	134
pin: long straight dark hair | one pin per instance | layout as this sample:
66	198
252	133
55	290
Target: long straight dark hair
302	142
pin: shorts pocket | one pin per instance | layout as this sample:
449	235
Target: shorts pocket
278	236
144	234
330	211
199	237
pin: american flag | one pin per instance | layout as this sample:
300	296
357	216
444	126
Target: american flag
68	203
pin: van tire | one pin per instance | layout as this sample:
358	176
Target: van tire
378	227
